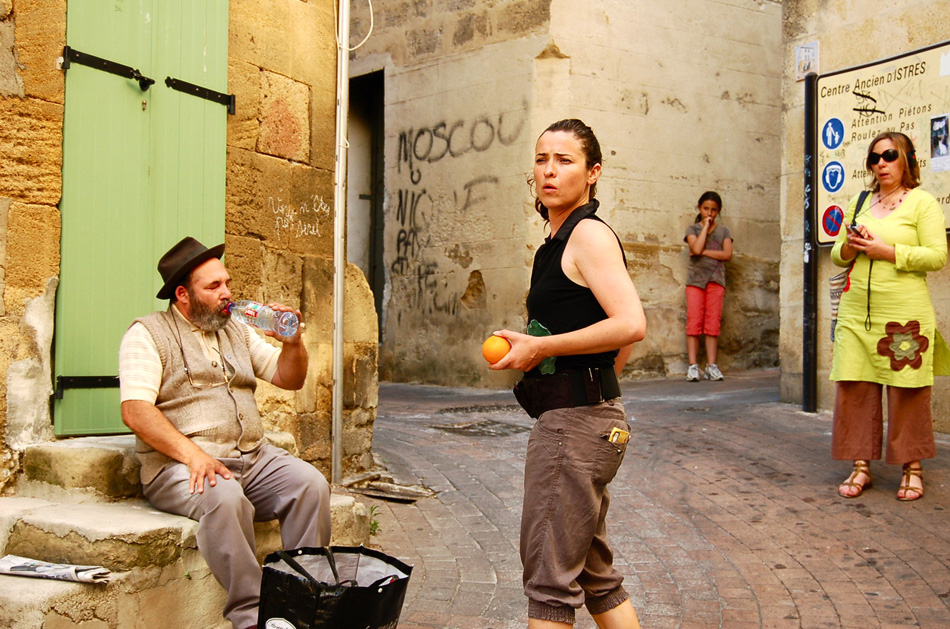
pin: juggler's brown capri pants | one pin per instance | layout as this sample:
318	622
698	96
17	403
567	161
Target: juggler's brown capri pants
857	432
567	562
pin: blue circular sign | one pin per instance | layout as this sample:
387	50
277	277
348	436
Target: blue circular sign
832	134
831	220
832	177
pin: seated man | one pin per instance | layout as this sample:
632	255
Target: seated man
187	378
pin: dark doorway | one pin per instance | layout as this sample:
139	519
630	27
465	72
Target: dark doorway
364	223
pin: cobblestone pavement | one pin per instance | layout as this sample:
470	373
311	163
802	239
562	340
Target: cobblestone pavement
724	513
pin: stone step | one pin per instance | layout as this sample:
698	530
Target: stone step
182	596
174	597
119	536
87	469
159	577
79	501
81	470
132	533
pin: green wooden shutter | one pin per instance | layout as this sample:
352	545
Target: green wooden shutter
141	170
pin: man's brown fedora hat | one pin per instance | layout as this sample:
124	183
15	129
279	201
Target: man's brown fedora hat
180	260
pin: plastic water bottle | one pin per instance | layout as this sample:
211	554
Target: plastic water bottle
260	316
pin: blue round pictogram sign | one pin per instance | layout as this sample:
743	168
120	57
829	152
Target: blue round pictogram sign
831	220
832	177
832	134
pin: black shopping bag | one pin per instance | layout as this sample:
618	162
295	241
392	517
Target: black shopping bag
339	587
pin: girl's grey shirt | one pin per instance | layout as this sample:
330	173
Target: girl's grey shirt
703	269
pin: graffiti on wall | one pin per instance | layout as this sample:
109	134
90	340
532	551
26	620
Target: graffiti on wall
299	219
428	145
418	205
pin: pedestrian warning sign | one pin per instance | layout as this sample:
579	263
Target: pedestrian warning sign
909	93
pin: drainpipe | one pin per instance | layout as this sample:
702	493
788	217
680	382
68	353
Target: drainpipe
339	228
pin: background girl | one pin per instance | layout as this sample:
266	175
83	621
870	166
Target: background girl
710	247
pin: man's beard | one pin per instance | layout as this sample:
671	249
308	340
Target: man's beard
206	318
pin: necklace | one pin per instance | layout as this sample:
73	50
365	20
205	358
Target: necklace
890	206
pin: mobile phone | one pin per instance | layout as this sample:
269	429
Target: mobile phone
854	230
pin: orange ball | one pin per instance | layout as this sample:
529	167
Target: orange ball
494	348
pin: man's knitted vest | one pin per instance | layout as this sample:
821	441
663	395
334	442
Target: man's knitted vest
220	417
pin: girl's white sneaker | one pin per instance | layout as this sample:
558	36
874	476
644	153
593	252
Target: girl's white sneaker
712	372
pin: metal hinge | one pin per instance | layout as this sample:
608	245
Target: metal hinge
84	382
71	55
202	92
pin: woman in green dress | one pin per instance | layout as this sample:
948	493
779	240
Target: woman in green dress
886	330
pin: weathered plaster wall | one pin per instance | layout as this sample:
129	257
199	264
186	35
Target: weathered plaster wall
455	215
280	160
457	153
891	29
685	97
680	105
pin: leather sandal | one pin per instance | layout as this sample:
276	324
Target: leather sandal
860	467
906	486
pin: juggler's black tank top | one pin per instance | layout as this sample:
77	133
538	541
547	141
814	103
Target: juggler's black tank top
558	303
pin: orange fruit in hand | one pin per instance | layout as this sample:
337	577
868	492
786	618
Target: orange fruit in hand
494	348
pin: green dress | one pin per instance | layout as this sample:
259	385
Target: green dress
898	348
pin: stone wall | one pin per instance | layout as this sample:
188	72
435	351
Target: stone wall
680	106
32	33
891	29
279	216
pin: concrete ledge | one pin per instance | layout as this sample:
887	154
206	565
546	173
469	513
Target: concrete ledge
349	520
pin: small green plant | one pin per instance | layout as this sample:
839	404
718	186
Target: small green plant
374	520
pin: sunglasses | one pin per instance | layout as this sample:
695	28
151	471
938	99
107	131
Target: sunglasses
888	156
